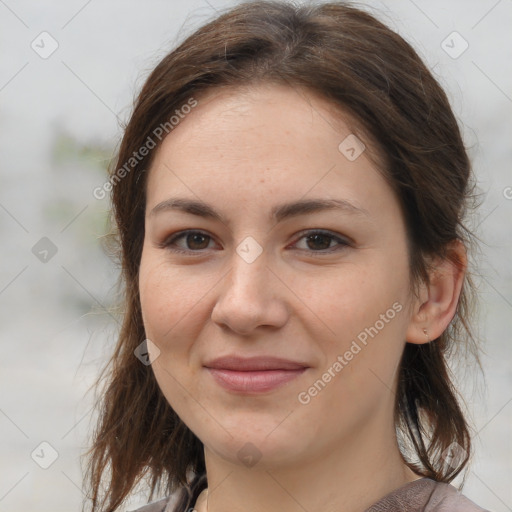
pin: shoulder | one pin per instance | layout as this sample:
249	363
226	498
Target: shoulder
180	500
446	498
425	495
155	506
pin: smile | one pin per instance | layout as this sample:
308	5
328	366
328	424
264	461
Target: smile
258	381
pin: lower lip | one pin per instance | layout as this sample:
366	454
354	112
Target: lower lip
255	381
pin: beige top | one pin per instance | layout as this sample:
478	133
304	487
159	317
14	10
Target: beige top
423	495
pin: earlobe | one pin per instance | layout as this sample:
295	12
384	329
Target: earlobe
438	300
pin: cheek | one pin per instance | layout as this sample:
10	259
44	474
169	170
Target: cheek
354	298
360	365
365	311
174	310
165	303
167	298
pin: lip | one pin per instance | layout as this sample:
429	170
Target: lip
255	374
256	363
253	382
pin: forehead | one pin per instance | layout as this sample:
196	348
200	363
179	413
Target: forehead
261	140
288	112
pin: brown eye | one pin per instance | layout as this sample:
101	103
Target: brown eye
195	241
319	241
322	242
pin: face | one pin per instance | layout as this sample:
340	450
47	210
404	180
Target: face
323	284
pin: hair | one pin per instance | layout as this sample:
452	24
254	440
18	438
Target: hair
360	66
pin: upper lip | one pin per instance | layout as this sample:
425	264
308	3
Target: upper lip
254	363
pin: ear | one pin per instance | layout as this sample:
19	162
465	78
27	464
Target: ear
434	309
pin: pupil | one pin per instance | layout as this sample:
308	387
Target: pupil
196	237
324	237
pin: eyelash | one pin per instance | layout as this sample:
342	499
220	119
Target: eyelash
342	243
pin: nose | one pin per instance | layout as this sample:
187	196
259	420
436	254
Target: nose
250	296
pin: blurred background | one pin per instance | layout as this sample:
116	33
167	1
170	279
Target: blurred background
68	74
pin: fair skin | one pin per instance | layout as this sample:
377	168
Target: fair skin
244	152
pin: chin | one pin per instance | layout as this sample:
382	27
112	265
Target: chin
260	446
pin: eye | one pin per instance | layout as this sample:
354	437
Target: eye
317	241
320	241
195	241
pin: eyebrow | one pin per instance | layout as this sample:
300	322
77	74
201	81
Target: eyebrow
278	213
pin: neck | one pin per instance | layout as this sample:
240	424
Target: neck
348	478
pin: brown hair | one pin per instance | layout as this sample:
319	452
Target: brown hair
359	65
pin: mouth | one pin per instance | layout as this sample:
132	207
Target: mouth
254	375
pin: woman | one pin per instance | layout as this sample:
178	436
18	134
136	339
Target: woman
289	198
